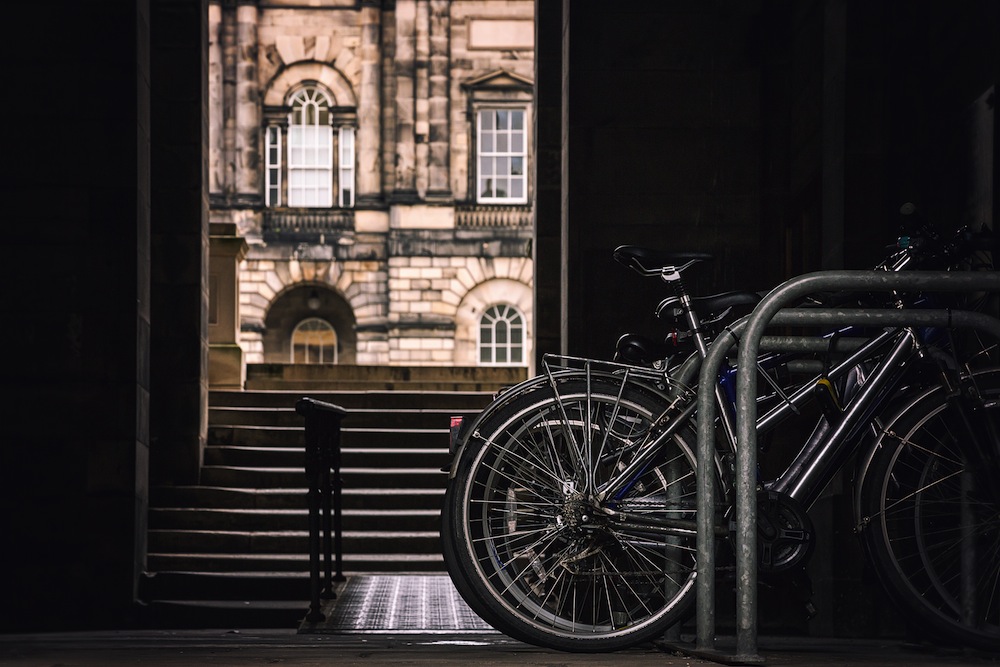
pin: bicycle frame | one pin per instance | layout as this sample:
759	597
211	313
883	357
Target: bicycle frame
831	444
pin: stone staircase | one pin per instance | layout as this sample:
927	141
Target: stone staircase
233	550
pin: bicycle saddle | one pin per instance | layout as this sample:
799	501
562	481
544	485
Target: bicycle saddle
651	262
706	306
642	350
719	302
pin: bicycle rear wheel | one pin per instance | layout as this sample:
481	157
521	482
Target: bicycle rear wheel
930	526
544	560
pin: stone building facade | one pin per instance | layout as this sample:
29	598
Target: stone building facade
375	156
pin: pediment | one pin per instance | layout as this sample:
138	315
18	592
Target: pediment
499	79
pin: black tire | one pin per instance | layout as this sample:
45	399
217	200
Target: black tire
538	558
930	527
451	560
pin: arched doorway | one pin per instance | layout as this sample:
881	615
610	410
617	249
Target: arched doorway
303	323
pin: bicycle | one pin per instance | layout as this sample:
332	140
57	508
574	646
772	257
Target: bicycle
570	513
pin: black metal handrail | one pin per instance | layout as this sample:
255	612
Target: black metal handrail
322	434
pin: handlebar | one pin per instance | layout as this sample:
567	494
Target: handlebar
922	246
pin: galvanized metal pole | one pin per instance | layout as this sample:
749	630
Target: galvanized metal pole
746	407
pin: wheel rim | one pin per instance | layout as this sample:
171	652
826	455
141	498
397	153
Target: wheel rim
942	537
547	552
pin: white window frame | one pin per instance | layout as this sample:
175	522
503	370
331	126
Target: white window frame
506	318
318	326
272	158
310	150
501	152
346	171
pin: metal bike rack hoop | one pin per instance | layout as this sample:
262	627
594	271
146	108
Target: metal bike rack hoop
748	333
763	315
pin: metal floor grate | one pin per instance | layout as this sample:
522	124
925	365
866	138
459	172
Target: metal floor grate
398	603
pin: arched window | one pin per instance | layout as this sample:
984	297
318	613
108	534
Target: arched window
314	341
310	150
501	336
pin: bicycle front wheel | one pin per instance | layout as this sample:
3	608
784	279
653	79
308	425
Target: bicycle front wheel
548	560
931	522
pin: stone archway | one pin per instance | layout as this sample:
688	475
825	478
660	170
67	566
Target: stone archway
302	301
475	302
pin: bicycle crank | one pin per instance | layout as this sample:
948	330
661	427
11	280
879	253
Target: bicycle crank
785	535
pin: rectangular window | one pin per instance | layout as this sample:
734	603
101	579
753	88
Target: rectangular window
346	164
310	166
502	156
272	193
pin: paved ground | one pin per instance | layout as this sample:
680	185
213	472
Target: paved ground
287	648
420	621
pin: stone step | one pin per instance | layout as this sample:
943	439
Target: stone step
225	614
353	477
372	436
356	400
289	541
291	498
353	563
237	543
199	518
195	584
356	419
272	376
288	457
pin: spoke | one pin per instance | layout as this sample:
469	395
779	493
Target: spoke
917	492
529	462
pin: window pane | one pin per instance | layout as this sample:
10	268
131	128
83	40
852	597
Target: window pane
314	341
501	153
501	335
310	150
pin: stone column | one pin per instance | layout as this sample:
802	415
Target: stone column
439	75
370	104
406	14
227	249
216	139
247	102
421	125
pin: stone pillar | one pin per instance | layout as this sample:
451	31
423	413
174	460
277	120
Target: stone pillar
439	75
227	249
420	103
406	14
370	105
247	102
216	138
